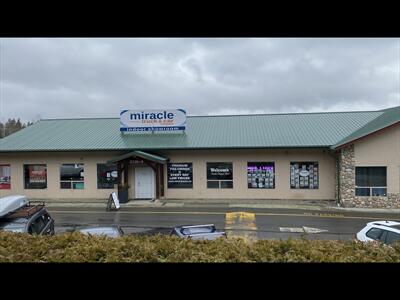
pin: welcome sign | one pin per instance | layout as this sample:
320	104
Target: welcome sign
153	120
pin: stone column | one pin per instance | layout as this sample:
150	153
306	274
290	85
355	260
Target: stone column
347	176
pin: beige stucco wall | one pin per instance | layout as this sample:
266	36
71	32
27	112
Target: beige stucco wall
282	159
381	149
53	161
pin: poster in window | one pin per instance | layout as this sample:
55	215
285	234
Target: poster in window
304	175
37	174
219	171
107	176
5	177
261	175
180	175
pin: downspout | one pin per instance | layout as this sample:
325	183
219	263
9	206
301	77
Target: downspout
336	156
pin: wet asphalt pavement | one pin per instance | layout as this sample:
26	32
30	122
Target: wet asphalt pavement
254	223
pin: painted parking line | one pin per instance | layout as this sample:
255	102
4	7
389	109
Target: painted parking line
303	229
223	213
291	229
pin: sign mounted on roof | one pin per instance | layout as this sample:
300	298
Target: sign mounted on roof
153	120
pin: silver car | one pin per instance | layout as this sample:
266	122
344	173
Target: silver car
17	214
198	232
109	231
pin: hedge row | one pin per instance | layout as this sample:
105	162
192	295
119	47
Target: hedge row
75	247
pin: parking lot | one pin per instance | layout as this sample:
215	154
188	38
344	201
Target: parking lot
253	223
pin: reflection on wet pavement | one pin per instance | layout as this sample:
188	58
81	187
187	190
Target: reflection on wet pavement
241	224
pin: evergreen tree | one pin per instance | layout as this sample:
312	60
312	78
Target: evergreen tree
12	126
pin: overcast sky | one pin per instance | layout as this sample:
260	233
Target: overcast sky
66	78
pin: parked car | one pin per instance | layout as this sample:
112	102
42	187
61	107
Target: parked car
17	214
386	232
205	232
110	231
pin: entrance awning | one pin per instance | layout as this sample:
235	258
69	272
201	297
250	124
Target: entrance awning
141	154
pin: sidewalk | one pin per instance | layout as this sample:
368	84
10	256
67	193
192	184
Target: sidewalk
328	206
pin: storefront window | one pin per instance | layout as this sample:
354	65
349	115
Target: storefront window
72	176
180	175
35	176
304	175
5	177
219	175
107	176
261	175
371	181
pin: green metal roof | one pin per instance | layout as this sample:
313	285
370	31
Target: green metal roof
141	154
202	132
388	117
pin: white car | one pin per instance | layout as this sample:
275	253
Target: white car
386	232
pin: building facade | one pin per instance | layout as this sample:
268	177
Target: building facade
350	157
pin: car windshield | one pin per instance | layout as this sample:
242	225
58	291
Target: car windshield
108	231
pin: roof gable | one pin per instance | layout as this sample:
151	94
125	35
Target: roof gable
388	118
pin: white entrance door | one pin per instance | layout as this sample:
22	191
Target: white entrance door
144	183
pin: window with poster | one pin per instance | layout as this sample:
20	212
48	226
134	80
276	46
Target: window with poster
72	176
261	175
107	176
180	175
5	177
304	175
35	176
220	175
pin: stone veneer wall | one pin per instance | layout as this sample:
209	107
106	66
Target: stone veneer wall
347	183
346	176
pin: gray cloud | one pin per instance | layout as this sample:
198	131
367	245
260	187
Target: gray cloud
57	78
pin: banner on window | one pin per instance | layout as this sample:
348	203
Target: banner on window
37	174
5	177
180	175
261	175
219	171
304	175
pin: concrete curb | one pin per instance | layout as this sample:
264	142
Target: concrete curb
375	210
283	206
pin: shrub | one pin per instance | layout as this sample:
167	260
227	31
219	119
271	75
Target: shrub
75	247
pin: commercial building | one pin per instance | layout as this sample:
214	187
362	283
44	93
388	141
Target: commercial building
353	157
